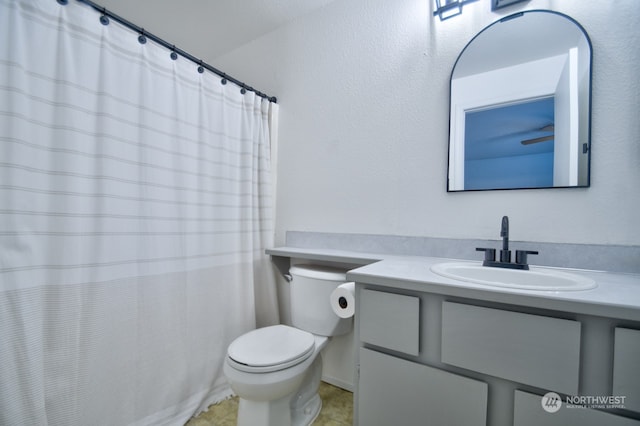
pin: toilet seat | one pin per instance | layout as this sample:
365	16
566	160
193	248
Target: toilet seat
270	349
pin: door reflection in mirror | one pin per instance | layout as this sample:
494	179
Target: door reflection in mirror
510	146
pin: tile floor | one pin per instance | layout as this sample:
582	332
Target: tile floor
337	410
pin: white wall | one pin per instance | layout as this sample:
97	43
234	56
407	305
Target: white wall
363	88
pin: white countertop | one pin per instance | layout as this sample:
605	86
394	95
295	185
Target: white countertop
617	295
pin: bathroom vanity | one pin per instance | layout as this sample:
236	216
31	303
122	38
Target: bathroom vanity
432	350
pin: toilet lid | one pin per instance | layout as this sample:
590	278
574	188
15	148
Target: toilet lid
269	347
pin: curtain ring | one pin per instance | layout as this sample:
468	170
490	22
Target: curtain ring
141	38
104	19
200	67
224	79
63	2
173	55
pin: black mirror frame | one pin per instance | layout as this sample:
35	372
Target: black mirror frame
588	145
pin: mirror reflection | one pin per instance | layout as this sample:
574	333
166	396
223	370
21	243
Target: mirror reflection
520	106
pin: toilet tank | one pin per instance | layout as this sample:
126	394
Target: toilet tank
311	286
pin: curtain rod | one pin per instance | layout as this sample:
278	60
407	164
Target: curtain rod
145	34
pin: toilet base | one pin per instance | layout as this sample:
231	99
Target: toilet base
261	413
306	415
264	413
298	409
306	403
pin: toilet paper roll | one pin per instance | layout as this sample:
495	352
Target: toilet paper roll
342	300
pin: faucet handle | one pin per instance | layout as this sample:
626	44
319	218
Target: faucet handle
489	253
521	256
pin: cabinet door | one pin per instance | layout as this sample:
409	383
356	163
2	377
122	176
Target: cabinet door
390	321
528	411
626	367
393	391
531	349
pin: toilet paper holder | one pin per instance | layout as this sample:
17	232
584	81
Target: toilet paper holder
342	301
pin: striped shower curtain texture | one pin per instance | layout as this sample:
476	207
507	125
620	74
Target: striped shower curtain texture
135	207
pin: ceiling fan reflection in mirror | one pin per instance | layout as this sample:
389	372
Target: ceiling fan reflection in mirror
547	128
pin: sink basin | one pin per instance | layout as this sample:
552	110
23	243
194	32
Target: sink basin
534	279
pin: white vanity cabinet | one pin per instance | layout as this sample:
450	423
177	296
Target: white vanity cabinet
436	359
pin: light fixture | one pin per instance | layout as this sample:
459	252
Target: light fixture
497	4
446	9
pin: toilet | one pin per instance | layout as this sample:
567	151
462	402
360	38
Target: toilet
276	370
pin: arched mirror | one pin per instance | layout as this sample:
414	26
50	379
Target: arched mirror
521	106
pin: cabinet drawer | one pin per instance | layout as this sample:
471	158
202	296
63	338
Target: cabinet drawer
626	367
531	349
390	320
528	411
393	391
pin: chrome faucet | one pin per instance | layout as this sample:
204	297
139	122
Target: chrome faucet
505	253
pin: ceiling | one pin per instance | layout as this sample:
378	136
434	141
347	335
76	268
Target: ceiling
209	28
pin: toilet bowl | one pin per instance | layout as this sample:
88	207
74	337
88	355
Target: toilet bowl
276	370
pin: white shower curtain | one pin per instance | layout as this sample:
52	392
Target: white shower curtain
135	207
